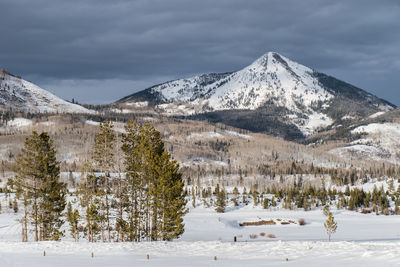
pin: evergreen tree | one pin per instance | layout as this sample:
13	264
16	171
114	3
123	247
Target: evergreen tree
73	220
171	197
104	160
89	190
193	198
236	195
266	203
254	195
53	192
330	225
37	184
221	204
155	189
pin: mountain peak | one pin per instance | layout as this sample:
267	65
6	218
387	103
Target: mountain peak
263	60
270	54
272	60
300	96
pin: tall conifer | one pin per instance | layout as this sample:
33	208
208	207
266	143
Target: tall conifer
37	183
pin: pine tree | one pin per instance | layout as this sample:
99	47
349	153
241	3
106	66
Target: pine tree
73	220
104	160
120	191
25	182
236	195
273	202
37	184
155	189
89	191
330	225
266	203
172	198
254	195
221	204
193	198
135	184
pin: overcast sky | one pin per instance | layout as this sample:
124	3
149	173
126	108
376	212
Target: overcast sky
98	51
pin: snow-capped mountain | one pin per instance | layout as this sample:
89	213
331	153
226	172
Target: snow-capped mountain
278	89
20	95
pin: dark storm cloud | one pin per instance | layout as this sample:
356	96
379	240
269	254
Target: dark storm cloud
99	51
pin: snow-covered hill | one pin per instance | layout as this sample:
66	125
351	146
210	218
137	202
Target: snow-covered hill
20	95
378	141
304	98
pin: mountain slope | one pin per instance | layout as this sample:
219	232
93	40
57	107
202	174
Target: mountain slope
281	92
20	95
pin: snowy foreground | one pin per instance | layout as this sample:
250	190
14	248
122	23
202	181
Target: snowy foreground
201	253
361	240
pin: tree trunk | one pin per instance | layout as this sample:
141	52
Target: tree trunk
120	208
36	221
108	217
25	223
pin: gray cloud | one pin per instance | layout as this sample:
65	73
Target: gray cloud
98	51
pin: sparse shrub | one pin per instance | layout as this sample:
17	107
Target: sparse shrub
385	211
253	236
366	210
302	221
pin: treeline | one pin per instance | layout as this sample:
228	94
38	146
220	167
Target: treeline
378	201
6	116
279	171
130	189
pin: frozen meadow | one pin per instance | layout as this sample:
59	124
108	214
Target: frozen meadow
361	240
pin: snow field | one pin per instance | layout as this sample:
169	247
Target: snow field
361	240
381	141
200	254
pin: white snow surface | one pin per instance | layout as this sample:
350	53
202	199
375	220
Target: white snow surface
380	141
361	240
118	126
22	95
19	122
123	111
207	135
377	114
233	133
138	104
